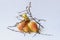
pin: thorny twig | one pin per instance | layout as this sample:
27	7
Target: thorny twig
29	12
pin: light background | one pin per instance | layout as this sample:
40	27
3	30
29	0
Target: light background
42	9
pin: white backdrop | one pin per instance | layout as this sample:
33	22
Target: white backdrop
42	9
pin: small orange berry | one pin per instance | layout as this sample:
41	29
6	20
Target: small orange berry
20	26
26	29
33	26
